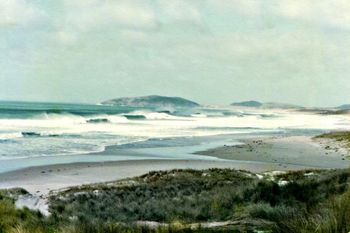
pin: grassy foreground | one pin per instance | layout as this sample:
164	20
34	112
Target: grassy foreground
343	137
188	200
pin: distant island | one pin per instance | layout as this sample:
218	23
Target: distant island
257	104
155	101
251	103
344	107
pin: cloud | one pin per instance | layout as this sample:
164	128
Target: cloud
179	11
240	45
320	14
17	12
66	37
90	15
93	14
324	13
134	35
245	7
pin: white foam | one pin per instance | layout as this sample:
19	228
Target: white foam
7	136
119	130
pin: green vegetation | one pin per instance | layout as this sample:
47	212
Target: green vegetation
187	200
12	219
343	136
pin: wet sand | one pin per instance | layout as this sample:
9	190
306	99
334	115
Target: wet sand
256	155
296	150
41	180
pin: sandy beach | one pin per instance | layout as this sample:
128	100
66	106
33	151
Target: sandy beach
296	150
258	155
43	179
199	116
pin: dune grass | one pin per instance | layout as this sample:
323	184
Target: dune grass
343	136
302	201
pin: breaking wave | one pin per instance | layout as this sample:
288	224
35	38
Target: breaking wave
32	129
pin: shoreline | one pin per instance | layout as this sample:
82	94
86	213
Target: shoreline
145	150
41	180
257	154
299	150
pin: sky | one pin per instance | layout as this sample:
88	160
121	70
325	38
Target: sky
210	51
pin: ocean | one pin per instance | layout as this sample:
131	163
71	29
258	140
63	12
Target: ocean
31	130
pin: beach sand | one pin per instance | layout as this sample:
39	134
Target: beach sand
257	155
296	150
43	179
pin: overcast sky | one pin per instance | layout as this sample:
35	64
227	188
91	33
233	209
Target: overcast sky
210	51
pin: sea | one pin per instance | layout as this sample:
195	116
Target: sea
51	131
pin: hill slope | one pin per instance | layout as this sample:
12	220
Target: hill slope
251	103
152	101
257	104
344	107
